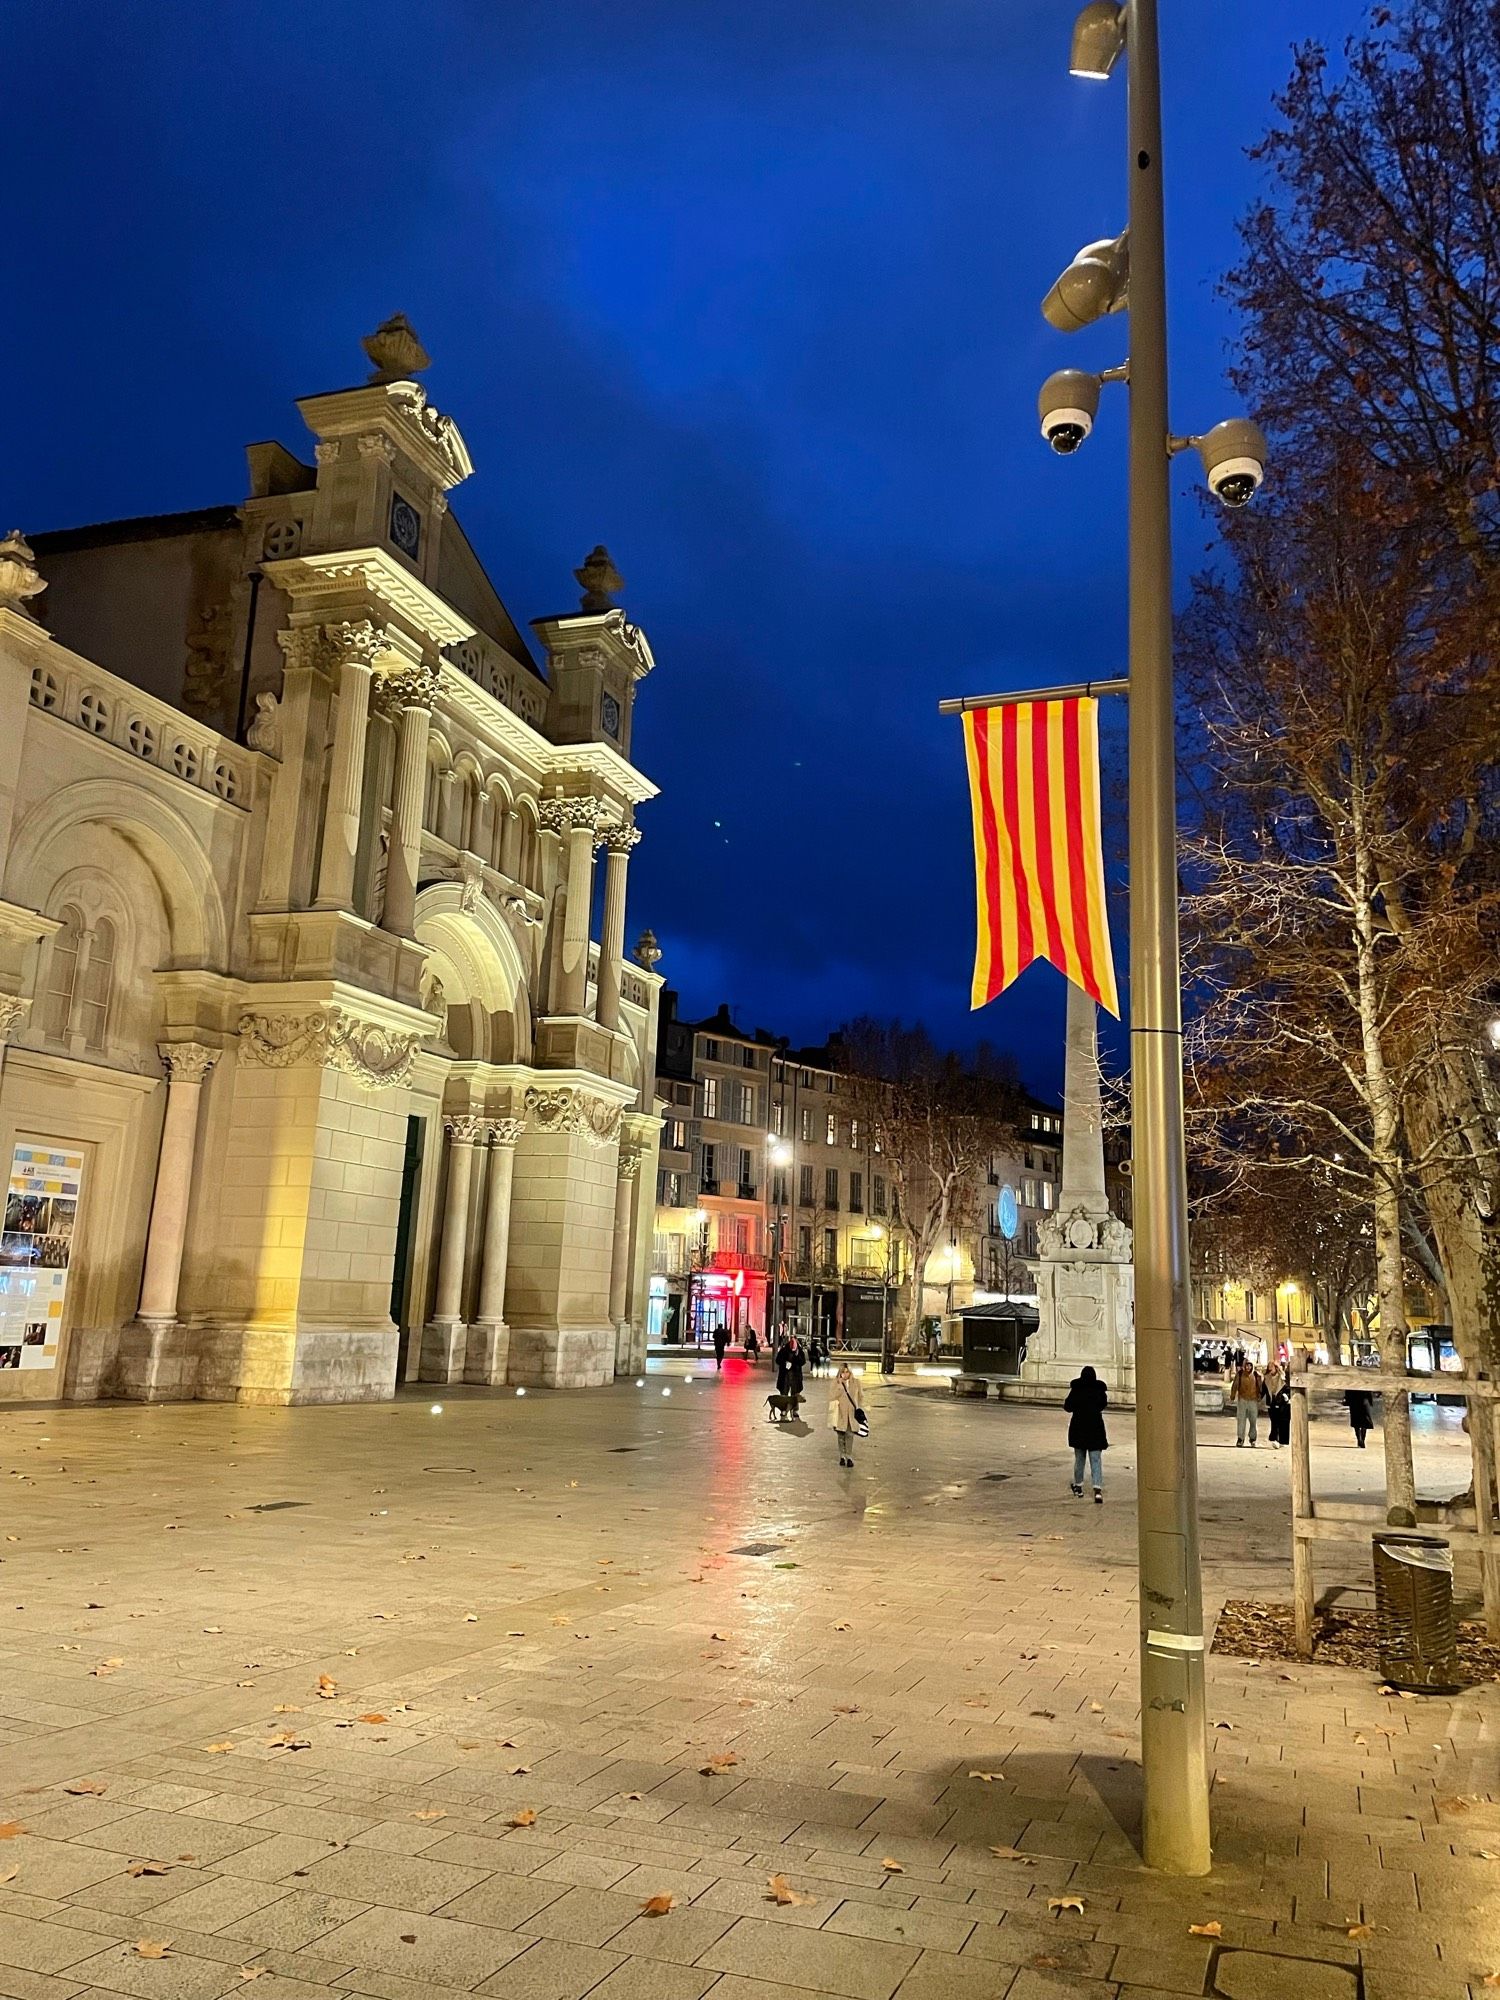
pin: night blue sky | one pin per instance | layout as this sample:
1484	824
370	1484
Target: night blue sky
748	293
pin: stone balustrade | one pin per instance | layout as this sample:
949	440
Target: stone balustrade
115	712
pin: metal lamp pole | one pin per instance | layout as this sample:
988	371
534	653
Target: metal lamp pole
1174	1747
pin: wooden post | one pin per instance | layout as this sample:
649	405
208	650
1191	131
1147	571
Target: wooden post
1302	1510
1482	1446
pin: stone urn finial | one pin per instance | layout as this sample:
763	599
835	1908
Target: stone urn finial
647	951
396	350
602	582
19	576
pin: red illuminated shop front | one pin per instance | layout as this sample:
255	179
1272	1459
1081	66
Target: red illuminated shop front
733	1298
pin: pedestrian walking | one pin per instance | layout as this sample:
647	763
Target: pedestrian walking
1361	1414
815	1353
1087	1401
1278	1388
935	1341
789	1366
844	1413
721	1341
1245	1393
752	1345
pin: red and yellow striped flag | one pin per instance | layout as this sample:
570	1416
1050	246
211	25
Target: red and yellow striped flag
1038	857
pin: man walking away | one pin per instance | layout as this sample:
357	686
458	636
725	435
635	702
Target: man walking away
721	1341
1361	1415
1088	1399
1245	1391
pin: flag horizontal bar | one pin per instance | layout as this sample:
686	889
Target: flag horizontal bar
1074	691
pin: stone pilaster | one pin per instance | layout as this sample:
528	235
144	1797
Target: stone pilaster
577	821
408	699
618	841
291	830
356	647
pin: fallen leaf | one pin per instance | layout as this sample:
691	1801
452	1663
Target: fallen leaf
87	1788
988	1777
892	1867
525	1817
471	1618
779	1890
846	1708
254	1971
1014	1854
657	1906
1361	1742
1043	1715
430	1813
1491	1979
1066	1903
373	1716
139	1868
717	1765
518	1770
153	1947
1457	1805
218	1748
286	1741
286	1708
11	1829
105	1668
1360	1931
842	1625
9	1875
1044	1961
1223	1725
327	1687
632	1795
1214	1930
1096	1708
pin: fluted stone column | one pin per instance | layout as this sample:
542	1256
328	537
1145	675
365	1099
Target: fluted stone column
488	1350
408	697
444	1338
357	646
618	841
13	1010
576	820
619	1261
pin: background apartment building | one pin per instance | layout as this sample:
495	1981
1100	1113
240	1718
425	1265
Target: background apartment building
764	1151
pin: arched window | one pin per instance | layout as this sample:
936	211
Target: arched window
80	980
96	979
62	971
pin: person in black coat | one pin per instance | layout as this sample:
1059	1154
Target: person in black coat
789	1366
1088	1399
1361	1414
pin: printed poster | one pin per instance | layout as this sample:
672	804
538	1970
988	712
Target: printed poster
36	1245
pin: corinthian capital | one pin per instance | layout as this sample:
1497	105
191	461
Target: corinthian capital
464	1129
620	839
357	640
415	688
305	646
187	1062
563	815
506	1131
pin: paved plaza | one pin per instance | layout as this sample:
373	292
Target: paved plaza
402	1702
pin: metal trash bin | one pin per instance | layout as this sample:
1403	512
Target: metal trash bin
1414	1612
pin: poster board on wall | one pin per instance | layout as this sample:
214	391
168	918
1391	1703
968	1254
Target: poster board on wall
36	1249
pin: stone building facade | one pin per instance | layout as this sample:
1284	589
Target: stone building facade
313	1078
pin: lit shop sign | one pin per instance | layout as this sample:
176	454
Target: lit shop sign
724	1281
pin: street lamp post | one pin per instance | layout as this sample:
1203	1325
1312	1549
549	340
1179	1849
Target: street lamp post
780	1155
1105	277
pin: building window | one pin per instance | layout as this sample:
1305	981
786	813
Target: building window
748	1057
778	1118
741	1237
778	1189
804	1245
710	1166
831	1248
831	1188
80	979
832	1133
62	971
747	1104
805	1187
877	1194
671	1190
711	1049
710	1097
854	1134
1030	1238
1030	1157
676	1135
1249	1305
747	1168
1028	1194
807	1124
856	1194
1047	1194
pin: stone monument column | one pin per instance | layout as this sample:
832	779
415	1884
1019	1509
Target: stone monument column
357	647
618	841
1085	1294
409	698
445	1337
487	1354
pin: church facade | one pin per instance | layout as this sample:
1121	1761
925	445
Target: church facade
315	1077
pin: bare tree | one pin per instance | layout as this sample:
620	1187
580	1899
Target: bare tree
935	1118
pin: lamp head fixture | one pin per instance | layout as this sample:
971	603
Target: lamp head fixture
1098	39
1096	283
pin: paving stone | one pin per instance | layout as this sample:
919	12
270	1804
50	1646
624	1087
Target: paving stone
584	1916
180	1977
680	1938
295	1921
853	1967
506	1901
648	1979
33	1945
901	1926
1248	1975
403	1881
423	1947
551	1970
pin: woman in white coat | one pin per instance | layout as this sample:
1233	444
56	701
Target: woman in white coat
843	1413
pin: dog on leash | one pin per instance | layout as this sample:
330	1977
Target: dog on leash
780	1408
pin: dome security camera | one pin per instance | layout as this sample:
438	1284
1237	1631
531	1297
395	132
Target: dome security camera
1068	404
1234	460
